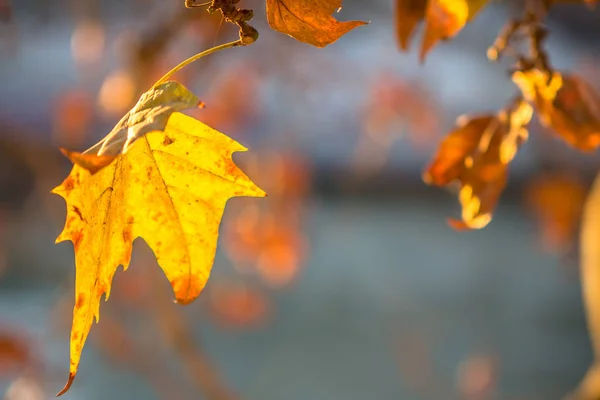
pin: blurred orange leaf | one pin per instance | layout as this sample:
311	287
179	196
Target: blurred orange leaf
228	105
476	154
309	21
394	104
14	352
271	243
556	200
238	305
477	377
565	103
74	113
168	183
443	20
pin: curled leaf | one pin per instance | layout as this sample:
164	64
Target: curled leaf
150	113
565	103
309	21
476	155
91	162
169	185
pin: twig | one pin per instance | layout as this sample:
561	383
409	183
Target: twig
197	57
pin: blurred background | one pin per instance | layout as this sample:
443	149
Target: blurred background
346	282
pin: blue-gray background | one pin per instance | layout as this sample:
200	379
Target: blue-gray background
383	269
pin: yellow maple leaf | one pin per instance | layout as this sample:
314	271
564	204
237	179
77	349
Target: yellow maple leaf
159	175
309	21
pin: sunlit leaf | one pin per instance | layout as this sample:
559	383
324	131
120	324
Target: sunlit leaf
445	18
309	21
476	155
168	183
566	104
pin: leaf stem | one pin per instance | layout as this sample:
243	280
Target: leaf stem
197	57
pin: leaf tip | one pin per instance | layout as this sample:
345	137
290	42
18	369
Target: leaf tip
67	385
91	162
458	225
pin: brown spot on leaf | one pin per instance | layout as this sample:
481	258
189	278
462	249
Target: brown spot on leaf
69	183
127	234
167	141
80	300
76	239
78	212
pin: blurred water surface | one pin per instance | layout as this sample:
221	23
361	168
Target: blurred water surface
378	274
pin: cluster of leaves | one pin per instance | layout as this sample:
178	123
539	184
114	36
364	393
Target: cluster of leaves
166	177
477	153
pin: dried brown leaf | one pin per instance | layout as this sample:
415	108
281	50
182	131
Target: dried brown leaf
309	21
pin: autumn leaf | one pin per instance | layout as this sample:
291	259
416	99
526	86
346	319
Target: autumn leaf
238	305
556	201
565	103
408	14
15	352
159	175
309	21
443	20
476	155
150	113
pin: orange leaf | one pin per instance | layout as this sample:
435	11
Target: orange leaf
476	155
14	352
309	21
565	103
408	14
556	200
91	162
238	305
449	163
445	18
